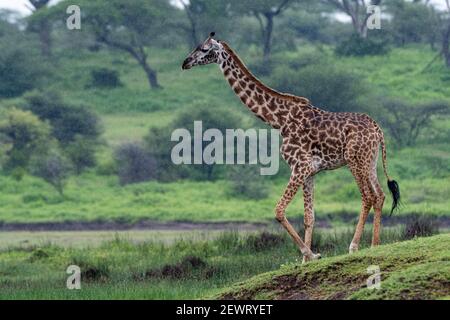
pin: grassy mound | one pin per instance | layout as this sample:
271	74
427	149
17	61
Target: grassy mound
415	269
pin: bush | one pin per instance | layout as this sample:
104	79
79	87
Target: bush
25	135
134	164
21	65
406	122
91	269
263	241
75	127
327	86
158	143
357	46
246	182
53	167
420	226
81	153
105	78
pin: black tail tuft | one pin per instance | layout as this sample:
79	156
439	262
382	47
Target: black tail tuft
395	191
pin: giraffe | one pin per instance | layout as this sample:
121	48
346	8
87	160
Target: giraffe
313	140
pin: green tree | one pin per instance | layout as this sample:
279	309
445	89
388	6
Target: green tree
413	22
159	146
40	23
24	135
327	86
52	167
21	65
76	128
357	11
204	16
406	122
265	12
128	26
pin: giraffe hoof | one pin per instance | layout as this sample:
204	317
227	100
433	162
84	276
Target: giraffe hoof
353	248
311	257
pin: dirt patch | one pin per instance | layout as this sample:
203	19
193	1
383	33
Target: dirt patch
189	267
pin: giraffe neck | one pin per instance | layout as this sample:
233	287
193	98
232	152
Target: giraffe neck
267	104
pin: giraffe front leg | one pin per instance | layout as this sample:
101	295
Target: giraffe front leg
308	202
291	190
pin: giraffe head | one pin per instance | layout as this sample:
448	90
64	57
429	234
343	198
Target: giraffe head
206	53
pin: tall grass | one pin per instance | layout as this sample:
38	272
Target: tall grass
190	269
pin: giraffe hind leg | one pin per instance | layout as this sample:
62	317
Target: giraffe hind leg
308	199
378	206
366	204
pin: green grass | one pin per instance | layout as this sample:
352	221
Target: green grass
90	197
127	268
416	269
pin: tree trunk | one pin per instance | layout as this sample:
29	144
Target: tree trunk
45	39
152	76
267	39
446	46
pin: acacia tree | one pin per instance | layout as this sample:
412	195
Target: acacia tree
405	122
203	16
444	30
265	11
39	23
357	11
129	26
445	18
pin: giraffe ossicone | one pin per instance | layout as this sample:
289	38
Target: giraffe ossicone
313	140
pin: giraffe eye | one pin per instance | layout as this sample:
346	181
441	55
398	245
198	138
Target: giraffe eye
204	50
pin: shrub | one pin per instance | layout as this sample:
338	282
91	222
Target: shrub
188	267
25	135
246	182
327	86
53	167
158	143
67	121
134	164
75	127
21	65
357	46
420	226
91	269
81	153
263	241
105	78
406	122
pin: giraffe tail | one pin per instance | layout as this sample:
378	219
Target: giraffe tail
392	184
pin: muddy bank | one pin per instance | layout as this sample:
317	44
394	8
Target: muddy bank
322	222
140	225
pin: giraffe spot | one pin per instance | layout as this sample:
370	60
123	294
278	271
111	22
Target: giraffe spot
231	81
244	98
272	106
251	86
259	99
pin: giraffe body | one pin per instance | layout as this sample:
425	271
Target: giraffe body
313	140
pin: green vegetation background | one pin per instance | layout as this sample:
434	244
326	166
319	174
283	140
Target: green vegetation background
129	111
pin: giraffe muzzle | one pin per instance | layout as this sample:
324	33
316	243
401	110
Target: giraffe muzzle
186	64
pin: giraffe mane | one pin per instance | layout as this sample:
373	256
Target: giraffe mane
265	88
